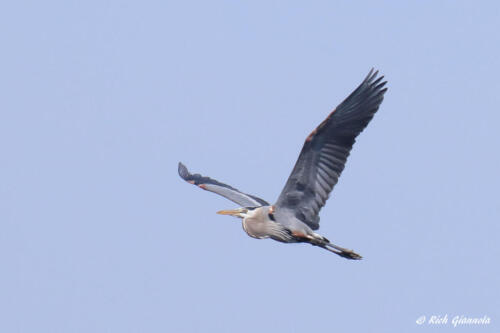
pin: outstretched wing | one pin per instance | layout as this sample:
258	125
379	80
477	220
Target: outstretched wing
209	184
325	151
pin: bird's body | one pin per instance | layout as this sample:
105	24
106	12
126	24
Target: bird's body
295	215
258	224
267	222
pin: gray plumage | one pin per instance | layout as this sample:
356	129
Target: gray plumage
294	217
225	190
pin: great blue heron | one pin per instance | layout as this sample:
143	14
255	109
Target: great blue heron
294	217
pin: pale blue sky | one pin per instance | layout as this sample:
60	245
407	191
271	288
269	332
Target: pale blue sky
101	99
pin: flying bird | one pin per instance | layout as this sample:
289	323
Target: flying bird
295	215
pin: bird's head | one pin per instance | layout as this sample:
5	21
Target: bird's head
242	212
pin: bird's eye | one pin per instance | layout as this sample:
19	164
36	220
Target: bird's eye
271	216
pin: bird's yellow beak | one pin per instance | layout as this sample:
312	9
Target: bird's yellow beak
235	212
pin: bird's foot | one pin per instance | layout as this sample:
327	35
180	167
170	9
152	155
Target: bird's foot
344	253
349	254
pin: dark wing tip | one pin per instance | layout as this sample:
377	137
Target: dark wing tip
183	171
375	82
371	74
197	179
371	90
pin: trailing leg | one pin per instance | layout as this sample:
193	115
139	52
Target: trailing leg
345	253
